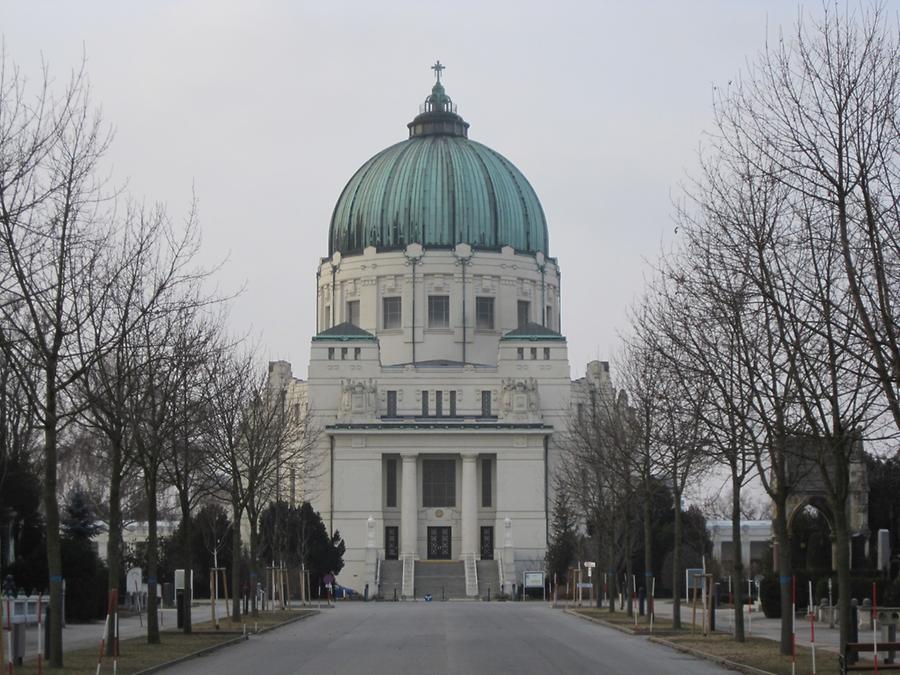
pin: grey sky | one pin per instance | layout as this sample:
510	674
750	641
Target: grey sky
269	107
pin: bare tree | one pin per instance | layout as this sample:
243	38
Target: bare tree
52	241
811	132
153	265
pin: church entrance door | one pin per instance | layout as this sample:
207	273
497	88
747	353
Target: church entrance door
391	542
487	542
439	543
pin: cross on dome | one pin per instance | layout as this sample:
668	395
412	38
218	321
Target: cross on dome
437	68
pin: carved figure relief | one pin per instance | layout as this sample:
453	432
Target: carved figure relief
519	397
359	398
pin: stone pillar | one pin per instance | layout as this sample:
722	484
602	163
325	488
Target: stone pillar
469	539
409	511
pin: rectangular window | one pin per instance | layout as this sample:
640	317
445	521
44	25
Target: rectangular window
392	404
484	313
546	353
424	403
391	487
520	353
534	353
357	352
438	311
439	403
331	353
391	313
486	403
438	483
353	312
486	479
453	403
524	313
343	353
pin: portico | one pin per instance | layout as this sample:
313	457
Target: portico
438	510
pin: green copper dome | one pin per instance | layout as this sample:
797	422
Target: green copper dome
438	189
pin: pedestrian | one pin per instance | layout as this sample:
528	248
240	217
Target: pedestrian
328	580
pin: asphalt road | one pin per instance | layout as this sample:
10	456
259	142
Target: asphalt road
447	637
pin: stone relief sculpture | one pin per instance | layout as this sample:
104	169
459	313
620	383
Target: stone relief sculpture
359	398
519	397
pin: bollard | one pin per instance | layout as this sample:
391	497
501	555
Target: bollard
489	593
395	594
366	593
853	636
442	593
891	637
179	608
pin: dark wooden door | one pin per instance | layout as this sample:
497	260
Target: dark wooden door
391	542
439	543
487	542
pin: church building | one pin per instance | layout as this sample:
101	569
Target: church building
438	376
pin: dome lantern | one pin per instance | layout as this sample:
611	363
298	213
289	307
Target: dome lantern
438	114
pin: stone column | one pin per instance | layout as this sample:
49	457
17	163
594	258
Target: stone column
469	506
409	508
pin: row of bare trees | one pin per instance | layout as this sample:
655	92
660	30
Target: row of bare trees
767	341
107	327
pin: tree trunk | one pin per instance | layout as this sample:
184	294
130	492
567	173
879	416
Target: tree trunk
114	543
613	578
629	568
842	560
51	512
236	562
737	580
676	564
648	545
254	557
187	552
783	566
152	560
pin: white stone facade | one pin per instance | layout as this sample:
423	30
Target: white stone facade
503	411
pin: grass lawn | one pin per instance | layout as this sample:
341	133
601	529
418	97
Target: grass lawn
661	624
759	653
137	655
264	620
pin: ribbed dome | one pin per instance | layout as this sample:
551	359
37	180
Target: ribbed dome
438	189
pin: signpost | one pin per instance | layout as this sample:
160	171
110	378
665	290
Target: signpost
533	580
589	566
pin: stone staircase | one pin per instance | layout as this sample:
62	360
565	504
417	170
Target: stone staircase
488	575
391	578
433	576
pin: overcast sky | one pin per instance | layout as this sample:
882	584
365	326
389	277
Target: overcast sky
267	109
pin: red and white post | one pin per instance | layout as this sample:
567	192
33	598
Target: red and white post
875	623
793	625
749	607
40	640
812	629
9	657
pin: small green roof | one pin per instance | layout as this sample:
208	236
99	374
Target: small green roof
344	331
533	331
